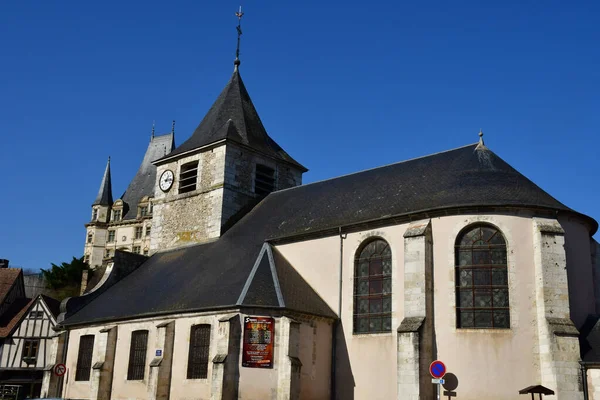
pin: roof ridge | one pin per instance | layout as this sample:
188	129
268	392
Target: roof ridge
372	169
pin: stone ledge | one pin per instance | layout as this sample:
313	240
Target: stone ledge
562	326
411	324
417	228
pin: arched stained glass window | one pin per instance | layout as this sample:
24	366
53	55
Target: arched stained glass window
373	287
481	278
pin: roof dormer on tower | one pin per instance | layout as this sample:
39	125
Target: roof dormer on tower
104	197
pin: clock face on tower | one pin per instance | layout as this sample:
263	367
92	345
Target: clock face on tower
166	180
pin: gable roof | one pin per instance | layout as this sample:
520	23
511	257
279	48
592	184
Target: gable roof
13	316
104	197
8	278
212	275
144	180
19	309
234	117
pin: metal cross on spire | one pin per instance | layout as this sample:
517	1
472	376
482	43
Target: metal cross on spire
239	14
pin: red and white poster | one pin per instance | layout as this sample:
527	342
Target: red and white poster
259	334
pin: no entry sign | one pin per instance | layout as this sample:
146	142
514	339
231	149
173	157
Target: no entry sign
437	369
60	369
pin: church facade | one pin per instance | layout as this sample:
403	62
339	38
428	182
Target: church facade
251	285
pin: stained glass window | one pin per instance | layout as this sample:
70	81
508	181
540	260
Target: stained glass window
481	279
373	288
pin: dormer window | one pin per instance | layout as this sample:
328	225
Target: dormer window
188	177
264	180
116	215
143	211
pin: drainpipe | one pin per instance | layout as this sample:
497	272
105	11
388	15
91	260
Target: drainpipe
584	367
337	323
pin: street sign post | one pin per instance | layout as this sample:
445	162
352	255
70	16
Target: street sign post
437	369
60	369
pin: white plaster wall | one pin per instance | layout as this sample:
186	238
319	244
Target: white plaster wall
318	262
79	389
181	387
490	364
593	376
121	387
315	355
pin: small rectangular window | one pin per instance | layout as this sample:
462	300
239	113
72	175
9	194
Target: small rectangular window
116	215
199	349
36	315
84	358
111	236
106	253
137	355
137	249
148	230
94	214
188	177
86	259
90	236
138	232
144	211
30	350
145	252
264	180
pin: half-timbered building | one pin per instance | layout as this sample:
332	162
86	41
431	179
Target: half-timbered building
26	337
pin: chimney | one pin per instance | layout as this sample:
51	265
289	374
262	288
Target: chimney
3	263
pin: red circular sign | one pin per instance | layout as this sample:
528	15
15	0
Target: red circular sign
60	369
437	369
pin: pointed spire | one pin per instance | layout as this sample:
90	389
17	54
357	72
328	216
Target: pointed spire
173	128
104	197
153	129
239	14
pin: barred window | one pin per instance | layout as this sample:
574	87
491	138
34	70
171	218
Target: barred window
84	358
373	288
198	355
481	279
188	177
137	249
264	180
137	355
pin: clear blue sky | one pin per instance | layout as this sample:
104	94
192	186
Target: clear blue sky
342	86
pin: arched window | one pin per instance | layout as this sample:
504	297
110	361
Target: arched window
373	288
481	278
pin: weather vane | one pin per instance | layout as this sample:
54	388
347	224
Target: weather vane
239	14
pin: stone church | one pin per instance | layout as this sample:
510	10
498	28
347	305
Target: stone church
218	275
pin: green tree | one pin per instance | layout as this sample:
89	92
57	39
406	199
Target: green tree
65	279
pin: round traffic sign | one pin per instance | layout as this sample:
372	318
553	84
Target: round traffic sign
60	369
437	369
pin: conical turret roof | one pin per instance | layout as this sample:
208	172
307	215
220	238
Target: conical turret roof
234	117
104	197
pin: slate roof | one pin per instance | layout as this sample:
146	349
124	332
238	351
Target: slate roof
233	117
15	313
8	277
144	180
104	197
212	275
